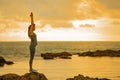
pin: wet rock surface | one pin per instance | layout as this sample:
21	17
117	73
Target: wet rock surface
27	76
81	77
41	76
100	53
97	53
3	62
10	76
62	55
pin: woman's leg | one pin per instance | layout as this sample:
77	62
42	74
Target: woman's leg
32	53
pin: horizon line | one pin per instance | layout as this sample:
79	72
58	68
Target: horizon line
63	41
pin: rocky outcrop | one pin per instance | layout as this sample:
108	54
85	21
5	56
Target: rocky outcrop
10	76
33	76
27	76
97	53
100	53
3	62
81	77
48	55
41	76
62	55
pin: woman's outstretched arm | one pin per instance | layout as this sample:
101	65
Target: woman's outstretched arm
32	26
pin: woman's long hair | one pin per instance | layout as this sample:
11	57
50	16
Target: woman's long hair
29	31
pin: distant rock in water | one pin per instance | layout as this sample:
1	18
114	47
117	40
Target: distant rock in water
27	76
3	62
81	77
100	53
67	55
62	55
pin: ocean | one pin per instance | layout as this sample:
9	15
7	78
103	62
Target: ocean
22	48
60	69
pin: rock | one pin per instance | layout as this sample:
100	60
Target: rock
48	56
81	77
3	62
70	79
63	55
33	76
27	76
104	79
9	62
100	53
10	76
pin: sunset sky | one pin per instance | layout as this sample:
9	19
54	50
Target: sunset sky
61	20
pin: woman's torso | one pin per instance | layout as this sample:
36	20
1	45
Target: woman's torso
33	40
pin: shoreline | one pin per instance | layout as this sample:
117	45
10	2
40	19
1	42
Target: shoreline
76	65
85	65
64	55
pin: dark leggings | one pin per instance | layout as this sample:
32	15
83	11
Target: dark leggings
32	53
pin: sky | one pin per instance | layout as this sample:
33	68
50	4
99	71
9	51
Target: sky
61	20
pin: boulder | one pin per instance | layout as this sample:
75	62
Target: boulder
10	76
27	76
33	76
100	53
9	62
63	55
81	77
3	62
48	55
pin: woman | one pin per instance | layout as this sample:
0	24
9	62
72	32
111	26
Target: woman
33	43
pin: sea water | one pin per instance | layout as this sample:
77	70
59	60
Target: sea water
22	48
60	69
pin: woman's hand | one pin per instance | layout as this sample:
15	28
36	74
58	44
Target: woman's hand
31	14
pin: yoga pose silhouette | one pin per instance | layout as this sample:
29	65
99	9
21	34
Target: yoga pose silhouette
33	43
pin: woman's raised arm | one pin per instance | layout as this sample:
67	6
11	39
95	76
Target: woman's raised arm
32	26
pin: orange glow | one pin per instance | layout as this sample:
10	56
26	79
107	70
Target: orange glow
69	20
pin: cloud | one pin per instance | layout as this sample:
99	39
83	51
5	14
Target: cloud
57	23
112	4
52	9
56	18
13	30
113	7
47	9
85	23
67	34
115	13
106	30
57	13
89	9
